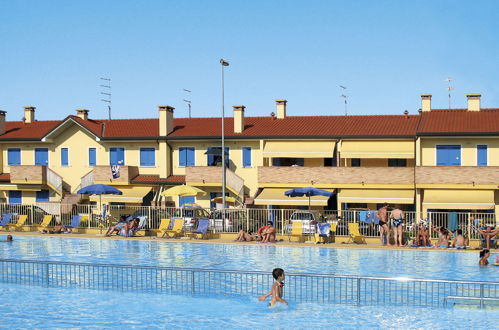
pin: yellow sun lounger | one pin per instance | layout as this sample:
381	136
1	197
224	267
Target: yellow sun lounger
355	235
163	227
296	230
20	222
178	227
46	221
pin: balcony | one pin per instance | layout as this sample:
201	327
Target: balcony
103	174
458	176
340	177
36	174
212	176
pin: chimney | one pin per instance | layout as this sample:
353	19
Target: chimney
165	119
281	108
2	121
29	114
473	102
426	102
82	113
238	118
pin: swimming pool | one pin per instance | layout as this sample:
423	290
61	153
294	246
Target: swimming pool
362	262
35	306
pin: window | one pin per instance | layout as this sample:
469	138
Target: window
147	157
448	155
186	199
481	155
64	157
117	156
15	197
215	156
355	162
330	162
92	157
41	156
186	156
246	156
288	161
14	156
397	162
42	196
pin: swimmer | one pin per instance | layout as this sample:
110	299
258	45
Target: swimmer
276	291
9	238
484	255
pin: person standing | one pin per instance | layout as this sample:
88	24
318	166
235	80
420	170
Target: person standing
383	224
397	217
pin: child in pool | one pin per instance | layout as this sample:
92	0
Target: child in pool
484	255
276	290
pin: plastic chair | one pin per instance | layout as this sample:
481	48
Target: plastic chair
355	235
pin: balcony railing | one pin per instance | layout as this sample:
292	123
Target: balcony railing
103	174
212	175
36	174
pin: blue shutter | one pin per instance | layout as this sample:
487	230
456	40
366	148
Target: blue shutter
92	159
42	196
186	199
481	153
117	156
14	156
41	156
246	156
212	196
15	197
211	157
121	156
448	155
64	157
182	157
190	156
147	157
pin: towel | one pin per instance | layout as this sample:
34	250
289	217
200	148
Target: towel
452	221
363	216
372	217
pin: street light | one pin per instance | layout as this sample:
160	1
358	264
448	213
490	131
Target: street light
222	64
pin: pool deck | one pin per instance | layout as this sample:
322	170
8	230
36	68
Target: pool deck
339	245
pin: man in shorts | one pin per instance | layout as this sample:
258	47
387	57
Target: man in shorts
383	224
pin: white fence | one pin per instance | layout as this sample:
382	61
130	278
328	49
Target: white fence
235	219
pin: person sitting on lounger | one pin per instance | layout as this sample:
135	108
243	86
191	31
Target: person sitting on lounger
422	237
488	234
244	236
117	227
460	241
268	234
129	229
58	229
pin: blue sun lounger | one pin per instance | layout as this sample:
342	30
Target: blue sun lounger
75	222
202	228
5	219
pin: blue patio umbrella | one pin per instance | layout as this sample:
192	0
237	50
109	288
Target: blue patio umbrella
99	189
309	192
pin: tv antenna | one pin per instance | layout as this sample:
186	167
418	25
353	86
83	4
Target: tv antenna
449	88
108	99
344	96
188	102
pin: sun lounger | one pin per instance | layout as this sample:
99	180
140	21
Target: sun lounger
324	233
20	222
201	230
75	222
178	227
355	235
5	219
296	230
163	227
46	221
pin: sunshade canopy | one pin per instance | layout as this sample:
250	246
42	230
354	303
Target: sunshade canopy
377	196
377	149
458	199
299	149
130	195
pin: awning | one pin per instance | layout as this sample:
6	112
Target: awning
376	196
458	199
299	149
275	196
130	195
377	149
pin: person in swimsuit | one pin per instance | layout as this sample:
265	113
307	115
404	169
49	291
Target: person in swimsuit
244	236
488	234
118	227
443	237
268	234
423	237
9	238
128	229
58	229
484	256
397	216
276	291
459	241
384	230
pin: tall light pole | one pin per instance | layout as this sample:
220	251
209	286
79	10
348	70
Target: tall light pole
222	64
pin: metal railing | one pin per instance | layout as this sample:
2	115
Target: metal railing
249	219
299	288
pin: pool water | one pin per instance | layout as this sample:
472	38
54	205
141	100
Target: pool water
38	307
364	262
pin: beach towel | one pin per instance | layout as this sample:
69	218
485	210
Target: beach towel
452	221
372	217
363	216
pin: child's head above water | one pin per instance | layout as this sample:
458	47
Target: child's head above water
277	272
484	252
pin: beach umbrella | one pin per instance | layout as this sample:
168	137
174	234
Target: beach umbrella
228	200
184	191
99	189
309	192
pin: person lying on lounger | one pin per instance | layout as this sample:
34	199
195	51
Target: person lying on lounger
117	227
129	229
58	229
244	236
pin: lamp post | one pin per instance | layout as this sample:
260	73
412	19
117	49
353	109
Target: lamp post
222	64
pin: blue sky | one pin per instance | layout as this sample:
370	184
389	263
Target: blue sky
387	53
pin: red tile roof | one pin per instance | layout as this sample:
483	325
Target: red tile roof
5	177
35	130
172	179
459	121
